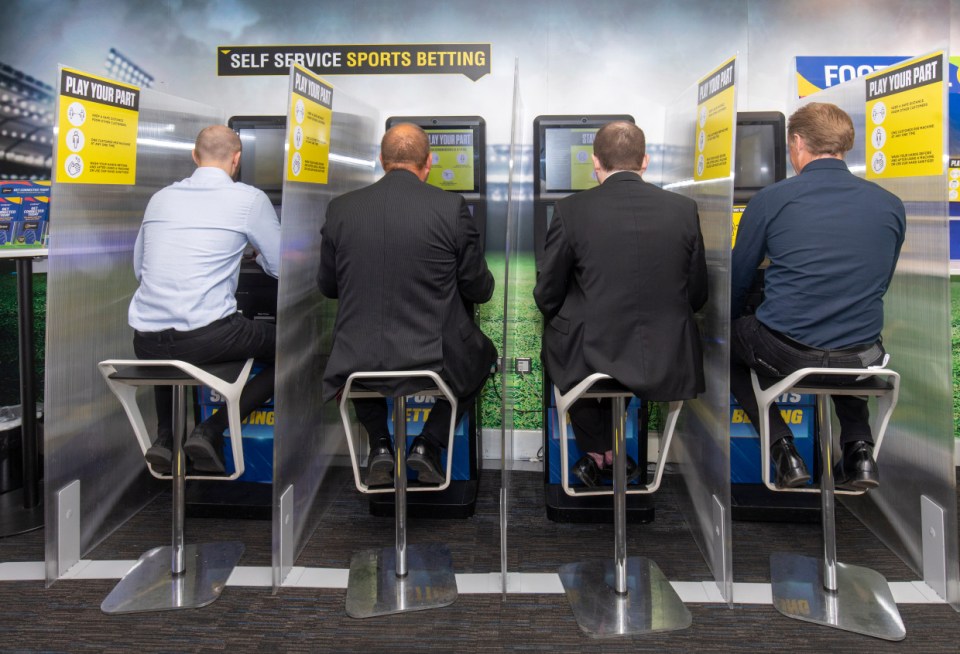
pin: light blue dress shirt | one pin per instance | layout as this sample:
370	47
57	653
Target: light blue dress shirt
187	255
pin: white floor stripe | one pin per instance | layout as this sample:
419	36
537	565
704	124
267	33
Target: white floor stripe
752	594
26	571
86	569
260	576
694	592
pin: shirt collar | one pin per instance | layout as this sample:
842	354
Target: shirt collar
827	163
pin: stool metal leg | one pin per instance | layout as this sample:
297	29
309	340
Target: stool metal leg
847	597
179	474
620	494
178	576
401	578
400	482
625	596
827	498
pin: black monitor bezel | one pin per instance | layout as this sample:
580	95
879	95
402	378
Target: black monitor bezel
237	123
742	194
540	126
475	123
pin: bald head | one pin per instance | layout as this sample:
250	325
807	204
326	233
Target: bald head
217	146
407	147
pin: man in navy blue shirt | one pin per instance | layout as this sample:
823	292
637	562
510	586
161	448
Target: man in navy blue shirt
833	241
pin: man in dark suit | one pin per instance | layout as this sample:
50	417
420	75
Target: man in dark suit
623	273
404	258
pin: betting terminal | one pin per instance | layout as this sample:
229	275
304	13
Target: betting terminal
563	149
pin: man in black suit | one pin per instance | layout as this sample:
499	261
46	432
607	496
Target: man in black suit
404	258
623	273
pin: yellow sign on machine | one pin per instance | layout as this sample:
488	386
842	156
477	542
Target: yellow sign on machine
97	141
308	128
904	119
716	115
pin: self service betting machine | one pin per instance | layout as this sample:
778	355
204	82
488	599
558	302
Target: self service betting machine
458	149
563	149
251	495
760	161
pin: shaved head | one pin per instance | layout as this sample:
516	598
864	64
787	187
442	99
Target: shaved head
216	145
404	146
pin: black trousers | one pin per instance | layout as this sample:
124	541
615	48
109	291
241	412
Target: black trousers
592	424
372	414
754	345
233	338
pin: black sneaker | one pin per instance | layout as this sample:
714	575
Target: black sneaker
160	454
205	449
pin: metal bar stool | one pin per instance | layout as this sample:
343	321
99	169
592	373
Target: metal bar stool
178	576
402	578
623	596
848	597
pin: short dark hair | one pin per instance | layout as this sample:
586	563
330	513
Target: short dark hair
620	145
825	128
217	143
404	145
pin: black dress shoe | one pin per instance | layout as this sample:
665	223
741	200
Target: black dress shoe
205	449
857	469
791	470
633	471
160	454
587	472
424	457
380	464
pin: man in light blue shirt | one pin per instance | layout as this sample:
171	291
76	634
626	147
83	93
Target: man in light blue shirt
187	259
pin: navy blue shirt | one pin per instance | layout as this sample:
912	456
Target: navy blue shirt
833	241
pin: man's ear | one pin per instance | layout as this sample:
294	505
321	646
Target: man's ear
196	159
646	162
425	170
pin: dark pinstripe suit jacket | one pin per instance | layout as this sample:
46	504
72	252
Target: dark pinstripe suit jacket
403	257
622	274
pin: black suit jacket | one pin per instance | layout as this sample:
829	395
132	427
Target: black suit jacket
403	257
623	273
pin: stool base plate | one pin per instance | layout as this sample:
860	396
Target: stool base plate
149	585
374	589
862	602
14	518
650	604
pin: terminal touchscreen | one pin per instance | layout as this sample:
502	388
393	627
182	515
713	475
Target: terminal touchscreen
564	148
261	162
457	145
760	152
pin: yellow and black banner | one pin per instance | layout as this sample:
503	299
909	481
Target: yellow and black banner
953	180
738	210
716	113
308	127
469	59
97	142
904	119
